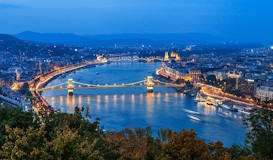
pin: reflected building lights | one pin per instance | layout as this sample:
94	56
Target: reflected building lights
106	100
150	104
158	95
98	102
133	99
68	101
122	100
206	109
166	97
141	98
133	102
115	100
150	99
61	102
88	100
53	101
80	101
175	94
73	101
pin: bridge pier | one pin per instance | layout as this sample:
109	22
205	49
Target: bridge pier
70	87
150	84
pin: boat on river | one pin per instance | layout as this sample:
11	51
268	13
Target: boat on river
244	112
224	106
194	118
191	112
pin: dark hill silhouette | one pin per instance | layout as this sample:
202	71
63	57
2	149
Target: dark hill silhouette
6	37
122	39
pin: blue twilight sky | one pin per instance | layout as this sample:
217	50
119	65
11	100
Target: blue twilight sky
238	19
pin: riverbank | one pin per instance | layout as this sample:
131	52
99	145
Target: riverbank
207	90
218	93
42	80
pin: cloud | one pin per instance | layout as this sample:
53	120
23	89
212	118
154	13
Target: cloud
9	6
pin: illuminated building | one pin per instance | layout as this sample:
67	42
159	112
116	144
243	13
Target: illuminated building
17	75
166	57
40	67
173	54
236	77
56	68
195	75
101	59
16	86
264	93
177	57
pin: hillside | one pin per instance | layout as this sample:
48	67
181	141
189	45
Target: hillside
121	39
8	42
5	38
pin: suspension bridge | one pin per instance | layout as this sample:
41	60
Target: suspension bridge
136	58
71	85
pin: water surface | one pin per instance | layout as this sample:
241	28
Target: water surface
120	108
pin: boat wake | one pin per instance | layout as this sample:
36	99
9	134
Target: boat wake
193	118
191	111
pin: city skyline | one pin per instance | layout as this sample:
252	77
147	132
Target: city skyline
230	19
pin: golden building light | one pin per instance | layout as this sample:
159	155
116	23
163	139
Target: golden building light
177	57
15	86
17	75
166	57
173	54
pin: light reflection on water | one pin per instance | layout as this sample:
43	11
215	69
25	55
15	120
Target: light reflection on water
133	107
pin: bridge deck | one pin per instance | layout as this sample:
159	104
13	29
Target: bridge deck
94	86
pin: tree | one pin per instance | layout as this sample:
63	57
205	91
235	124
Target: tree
72	136
260	134
14	118
241	153
62	136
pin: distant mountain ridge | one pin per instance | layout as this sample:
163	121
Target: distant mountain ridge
7	37
123	39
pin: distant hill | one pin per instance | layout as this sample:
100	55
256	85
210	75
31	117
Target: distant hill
6	37
50	37
8	41
121	39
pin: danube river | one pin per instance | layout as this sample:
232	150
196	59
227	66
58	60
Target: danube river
120	108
